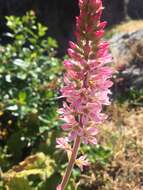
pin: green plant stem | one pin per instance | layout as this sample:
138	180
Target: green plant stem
71	163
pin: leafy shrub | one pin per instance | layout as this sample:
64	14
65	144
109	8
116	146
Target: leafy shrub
29	80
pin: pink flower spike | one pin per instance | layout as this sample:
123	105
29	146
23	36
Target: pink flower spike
86	84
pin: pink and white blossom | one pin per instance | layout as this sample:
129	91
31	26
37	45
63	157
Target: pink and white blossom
87	82
62	143
82	161
87	79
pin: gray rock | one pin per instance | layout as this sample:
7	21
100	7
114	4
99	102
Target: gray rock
127	51
124	46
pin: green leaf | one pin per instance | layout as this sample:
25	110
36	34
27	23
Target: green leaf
21	75
19	62
41	30
8	78
18	184
22	97
52	42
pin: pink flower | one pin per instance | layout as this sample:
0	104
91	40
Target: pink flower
58	187
62	143
99	34
90	112
102	25
73	130
88	135
81	162
73	45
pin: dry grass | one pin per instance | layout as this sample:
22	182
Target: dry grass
124	134
125	27
130	26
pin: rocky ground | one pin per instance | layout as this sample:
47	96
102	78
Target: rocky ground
126	46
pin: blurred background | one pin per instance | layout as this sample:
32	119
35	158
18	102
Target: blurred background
34	36
59	16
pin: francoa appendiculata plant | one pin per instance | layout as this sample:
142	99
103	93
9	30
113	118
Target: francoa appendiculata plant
87	82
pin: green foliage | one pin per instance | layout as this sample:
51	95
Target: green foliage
35	168
134	97
98	154
29	82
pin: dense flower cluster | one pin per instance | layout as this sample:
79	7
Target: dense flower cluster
87	78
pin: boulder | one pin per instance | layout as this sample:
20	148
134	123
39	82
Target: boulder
127	51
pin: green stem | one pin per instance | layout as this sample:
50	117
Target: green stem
70	164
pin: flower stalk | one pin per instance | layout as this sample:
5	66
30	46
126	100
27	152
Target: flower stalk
70	164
